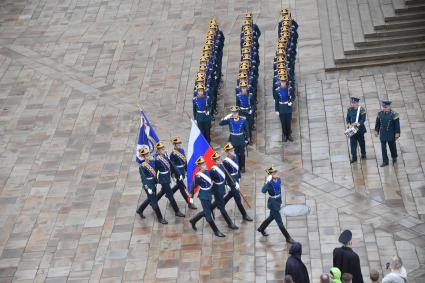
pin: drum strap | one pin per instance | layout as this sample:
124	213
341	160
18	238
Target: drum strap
357	116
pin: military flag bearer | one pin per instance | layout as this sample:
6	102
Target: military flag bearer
203	180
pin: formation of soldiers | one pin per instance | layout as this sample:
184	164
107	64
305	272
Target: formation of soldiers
226	170
208	78
284	72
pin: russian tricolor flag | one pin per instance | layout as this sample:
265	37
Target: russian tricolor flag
198	146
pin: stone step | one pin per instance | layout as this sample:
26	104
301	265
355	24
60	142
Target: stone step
400	6
386	48
390	40
395	32
401	24
372	63
376	12
392	16
345	23
409	8
325	34
414	2
381	56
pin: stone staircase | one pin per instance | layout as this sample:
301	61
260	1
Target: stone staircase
360	33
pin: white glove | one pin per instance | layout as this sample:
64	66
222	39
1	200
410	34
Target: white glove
227	117
207	113
180	178
250	112
237	186
289	103
190	200
150	191
269	178
277	113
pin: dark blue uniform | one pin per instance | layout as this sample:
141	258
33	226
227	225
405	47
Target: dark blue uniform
283	105
231	165
148	178
274	202
202	114
238	137
246	103
164	169
203	180
388	125
359	136
178	159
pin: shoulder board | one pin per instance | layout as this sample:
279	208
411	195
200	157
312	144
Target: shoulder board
242	117
395	115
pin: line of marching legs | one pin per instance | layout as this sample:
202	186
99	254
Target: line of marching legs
210	184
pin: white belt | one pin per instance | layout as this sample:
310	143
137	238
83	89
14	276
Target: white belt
283	102
150	178
162	172
236	134
275	196
233	174
242	108
200	111
205	189
220	183
180	166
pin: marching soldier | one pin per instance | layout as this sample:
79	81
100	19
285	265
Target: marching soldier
238	134
231	165
283	107
388	127
359	124
148	177
219	176
178	158
164	168
202	112
272	186
203	180
246	103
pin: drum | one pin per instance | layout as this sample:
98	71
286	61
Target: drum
351	131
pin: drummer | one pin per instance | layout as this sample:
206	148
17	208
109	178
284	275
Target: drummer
272	186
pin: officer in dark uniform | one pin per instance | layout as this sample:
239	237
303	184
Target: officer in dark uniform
164	169
359	136
219	176
246	103
272	186
203	180
239	134
231	165
202	112
283	107
178	158
148	177
388	127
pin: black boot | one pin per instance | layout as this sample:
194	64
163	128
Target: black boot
140	211
286	234
176	208
229	221
215	229
159	215
263	226
196	219
243	212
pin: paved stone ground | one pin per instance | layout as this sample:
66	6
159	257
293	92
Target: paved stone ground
71	76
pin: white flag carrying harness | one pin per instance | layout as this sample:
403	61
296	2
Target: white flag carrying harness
231	162
219	171
206	178
351	131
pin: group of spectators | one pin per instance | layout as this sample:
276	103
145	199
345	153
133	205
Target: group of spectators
346	266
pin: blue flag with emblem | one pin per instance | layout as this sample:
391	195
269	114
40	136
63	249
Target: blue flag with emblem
147	136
